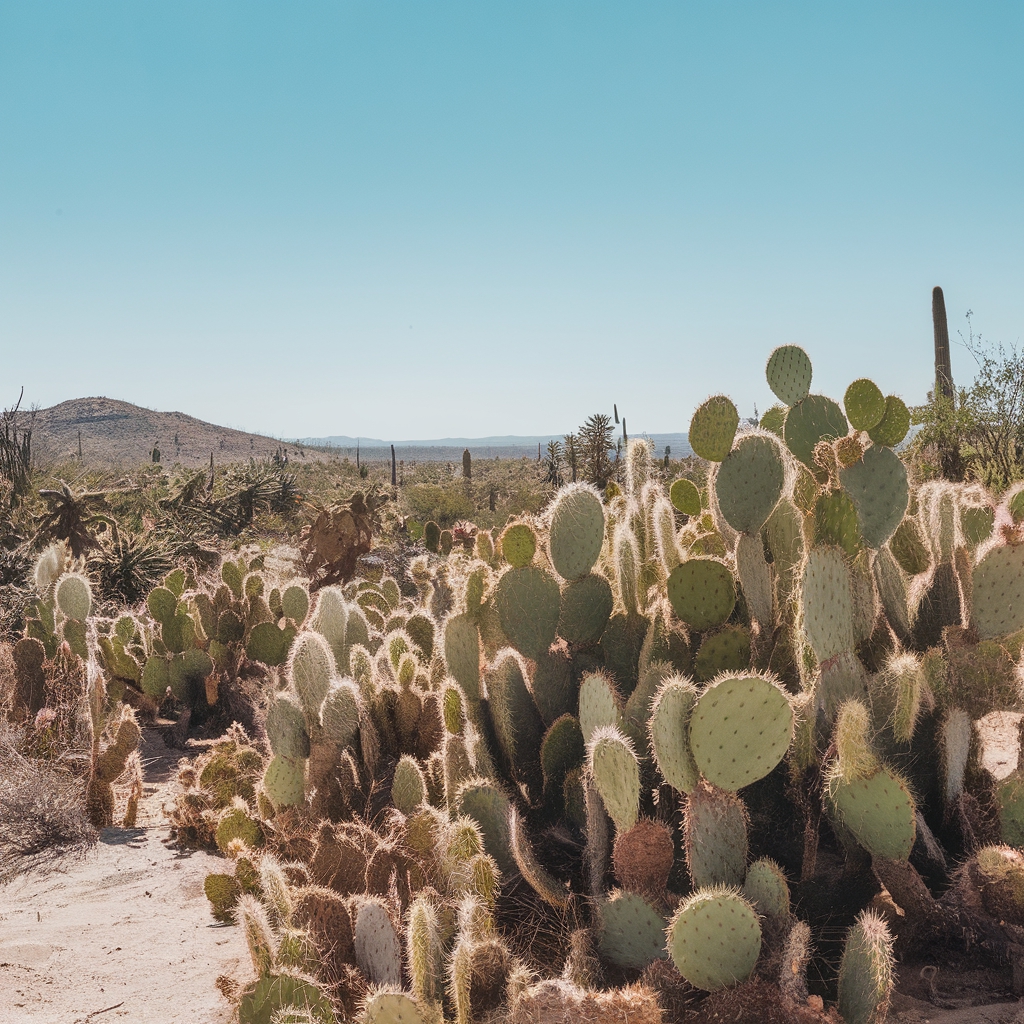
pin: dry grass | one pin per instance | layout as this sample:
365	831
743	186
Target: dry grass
42	811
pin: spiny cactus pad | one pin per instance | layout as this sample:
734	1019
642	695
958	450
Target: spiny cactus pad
577	531
1010	803
586	607
286	726
378	945
685	497
880	813
669	733
878	486
740	729
273	993
715	939
865	972
391	1007
715	836
518	545
789	373
998	606
488	806
632	932
528	603
749	483
616	773
408	788
599	704
766	888
339	713
713	428
702	592
756	579
462	654
893	426
827	603
836	522
814	419
283	781
74	596
865	404
727	650
312	666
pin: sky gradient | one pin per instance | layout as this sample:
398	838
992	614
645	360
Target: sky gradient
411	220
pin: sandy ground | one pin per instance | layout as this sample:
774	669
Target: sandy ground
123	934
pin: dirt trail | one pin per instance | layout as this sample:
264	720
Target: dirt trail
123	934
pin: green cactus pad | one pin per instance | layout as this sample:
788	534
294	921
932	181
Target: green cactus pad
577	531
528	602
827	603
1010	804
976	522
715	836
268	643
756	579
271	994
599	704
73	596
339	713
236	823
836	522
553	687
713	428
408	788
774	420
749	483
727	650
462	654
865	404
286	726
740	729
998	606
814	419
880	813
767	890
865	972
631	932
517	723
312	665
879	489
637	712
161	604
585	609
789	374
283	782
561	751
222	891
669	733
715	939
391	1008
295	602
488	806
893	427
616	773
702	592
518	545
685	497
909	549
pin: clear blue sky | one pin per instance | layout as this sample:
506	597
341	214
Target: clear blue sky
427	219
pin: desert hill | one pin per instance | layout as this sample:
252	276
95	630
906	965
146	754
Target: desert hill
118	433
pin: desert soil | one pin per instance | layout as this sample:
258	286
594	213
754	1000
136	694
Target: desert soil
125	933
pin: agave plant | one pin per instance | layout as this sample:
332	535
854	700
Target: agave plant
74	518
128	566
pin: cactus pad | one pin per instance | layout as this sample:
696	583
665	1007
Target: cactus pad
827	603
577	531
378	946
74	596
865	972
518	545
865	404
878	486
632	932
1010	803
727	650
789	374
835	522
998	607
283	781
488	806
713	428
599	704
740	729
312	666
585	610
528	603
286	727
715	836
339	713
756	579
561	751
774	420
391	1007
715	939
669	733
271	994
749	483
408	788
616	773
893	426
295	602
880	813
462	654
702	592
685	497
814	419
766	888
908	548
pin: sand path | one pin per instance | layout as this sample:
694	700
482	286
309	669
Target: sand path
123	934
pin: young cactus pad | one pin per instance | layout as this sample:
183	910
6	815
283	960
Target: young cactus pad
749	483
878	486
894	424
865	404
577	531
715	939
74	596
865	972
789	374
766	888
713	428
740	729
814	419
685	497
702	592
518	545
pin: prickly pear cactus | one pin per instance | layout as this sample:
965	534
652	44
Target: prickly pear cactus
865	973
713	428
702	592
631	931
789	374
576	531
